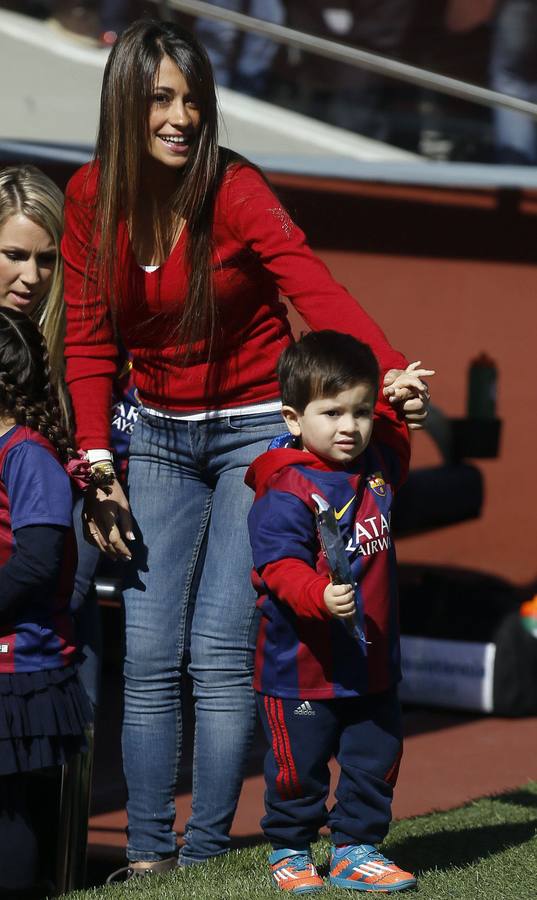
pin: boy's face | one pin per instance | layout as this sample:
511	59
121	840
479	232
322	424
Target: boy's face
336	428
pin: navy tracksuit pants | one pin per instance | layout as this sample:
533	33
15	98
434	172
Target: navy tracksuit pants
365	736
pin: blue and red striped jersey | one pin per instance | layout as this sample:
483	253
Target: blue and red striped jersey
35	490
302	651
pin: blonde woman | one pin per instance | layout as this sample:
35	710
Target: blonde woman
31	281
31	272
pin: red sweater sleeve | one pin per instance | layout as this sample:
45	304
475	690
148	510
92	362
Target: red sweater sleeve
90	347
298	585
392	432
258	220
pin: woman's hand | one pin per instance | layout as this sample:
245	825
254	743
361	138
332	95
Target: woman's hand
406	389
107	520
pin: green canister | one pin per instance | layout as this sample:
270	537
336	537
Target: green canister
482	387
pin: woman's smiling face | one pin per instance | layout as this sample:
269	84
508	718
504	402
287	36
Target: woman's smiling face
27	263
174	117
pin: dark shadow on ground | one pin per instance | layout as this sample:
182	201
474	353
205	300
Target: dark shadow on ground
444	849
519	798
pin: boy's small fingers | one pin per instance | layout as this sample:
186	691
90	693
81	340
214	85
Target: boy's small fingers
390	376
415	406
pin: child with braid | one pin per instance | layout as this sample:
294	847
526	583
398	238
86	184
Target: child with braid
43	709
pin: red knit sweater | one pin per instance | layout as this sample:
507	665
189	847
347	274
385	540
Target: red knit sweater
259	253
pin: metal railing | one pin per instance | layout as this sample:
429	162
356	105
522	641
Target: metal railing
362	59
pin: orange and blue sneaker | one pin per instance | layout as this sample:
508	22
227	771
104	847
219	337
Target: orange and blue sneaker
293	870
361	867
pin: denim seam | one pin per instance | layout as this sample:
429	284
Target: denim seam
182	635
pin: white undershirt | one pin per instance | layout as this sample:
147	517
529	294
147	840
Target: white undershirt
251	410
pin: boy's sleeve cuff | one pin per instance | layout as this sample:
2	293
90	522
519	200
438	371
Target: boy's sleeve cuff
295	582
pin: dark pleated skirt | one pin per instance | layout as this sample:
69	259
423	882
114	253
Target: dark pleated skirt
42	719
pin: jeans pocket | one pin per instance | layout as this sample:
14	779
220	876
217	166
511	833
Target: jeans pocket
257	422
162	423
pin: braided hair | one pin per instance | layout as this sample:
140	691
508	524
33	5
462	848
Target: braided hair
27	394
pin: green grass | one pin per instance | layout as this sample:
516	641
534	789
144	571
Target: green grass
486	850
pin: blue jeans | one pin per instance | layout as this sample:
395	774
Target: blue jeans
191	594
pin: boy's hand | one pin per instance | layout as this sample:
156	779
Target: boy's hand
339	599
406	388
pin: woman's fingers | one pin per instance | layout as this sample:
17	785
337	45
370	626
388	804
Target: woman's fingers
414	369
93	535
125	522
411	369
108	520
409	383
116	546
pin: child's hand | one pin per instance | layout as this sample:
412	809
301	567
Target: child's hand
407	388
339	599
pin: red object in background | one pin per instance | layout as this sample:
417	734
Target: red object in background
108	38
528	614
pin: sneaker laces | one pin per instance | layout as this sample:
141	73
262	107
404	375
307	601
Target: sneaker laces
371	855
377	856
300	861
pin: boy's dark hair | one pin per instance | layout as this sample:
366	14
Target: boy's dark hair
321	364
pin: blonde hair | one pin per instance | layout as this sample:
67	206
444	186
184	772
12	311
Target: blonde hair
25	190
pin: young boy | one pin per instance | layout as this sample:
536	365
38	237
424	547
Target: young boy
321	691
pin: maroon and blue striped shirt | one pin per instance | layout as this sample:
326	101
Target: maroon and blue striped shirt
302	651
35	490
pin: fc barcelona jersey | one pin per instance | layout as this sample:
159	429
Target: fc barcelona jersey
300	656
35	490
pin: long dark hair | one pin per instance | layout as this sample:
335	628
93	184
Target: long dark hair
27	394
122	143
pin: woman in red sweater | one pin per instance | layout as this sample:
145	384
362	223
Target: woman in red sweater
180	248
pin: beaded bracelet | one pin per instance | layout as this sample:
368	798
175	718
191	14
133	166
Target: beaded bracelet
102	474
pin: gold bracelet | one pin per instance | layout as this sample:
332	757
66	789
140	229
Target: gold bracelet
102	474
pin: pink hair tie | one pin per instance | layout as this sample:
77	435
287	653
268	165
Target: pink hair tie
79	470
